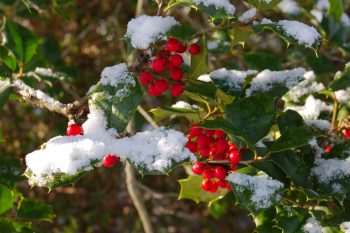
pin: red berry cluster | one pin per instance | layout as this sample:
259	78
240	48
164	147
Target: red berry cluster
110	160
347	133
74	129
213	145
168	60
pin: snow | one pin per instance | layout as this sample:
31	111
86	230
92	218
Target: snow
302	33
118	76
204	78
312	108
328	170
289	7
52	104
247	16
343	96
345	227
233	79
218	4
145	30
153	150
304	88
263	188
323	125
312	226
322	5
267	79
184	105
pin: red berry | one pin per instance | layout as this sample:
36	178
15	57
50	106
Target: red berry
219	156
220	172
207	185
176	60
195	131
213	151
209	132
158	65
145	78
161	85
191	146
166	53
220	133
328	149
74	130
235	157
176	74
214	187
198	168
222	183
177	89
173	45
208	173
221	145
233	147
110	160
181	49
347	134
229	186
202	140
204	151
153	90
234	167
194	49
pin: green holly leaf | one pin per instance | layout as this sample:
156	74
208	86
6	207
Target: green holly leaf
289	119
192	115
264	5
199	62
201	88
291	219
6	226
30	210
8	58
117	102
289	38
264	221
191	189
181	32
239	35
341	81
7	198
10	173
294	137
336	9
180	3
252	116
340	151
20	41
292	166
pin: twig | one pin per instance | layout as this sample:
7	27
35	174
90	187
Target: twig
147	117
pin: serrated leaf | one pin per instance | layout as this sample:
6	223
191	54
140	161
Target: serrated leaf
292	166
340	150
20	41
199	62
288	38
201	88
10	173
31	210
264	5
117	109
336	9
291	219
264	221
181	32
271	169
239	35
289	119
179	3
341	82
294	137
191	189
252	116
262	60
7	198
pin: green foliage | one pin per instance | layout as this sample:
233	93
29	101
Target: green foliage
262	61
263	5
341	81
5	91
31	210
7	199
336	9
199	63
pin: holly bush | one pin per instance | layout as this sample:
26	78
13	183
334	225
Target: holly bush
251	97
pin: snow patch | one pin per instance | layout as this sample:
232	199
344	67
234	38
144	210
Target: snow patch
218	4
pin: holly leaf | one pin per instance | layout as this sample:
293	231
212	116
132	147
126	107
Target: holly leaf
181	32
7	198
289	119
117	102
340	150
291	219
239	35
30	210
191	189
20	41
5	91
262	60
161	113
341	81
263	221
336	9
264	5
252	116
10	173
199	62
294	137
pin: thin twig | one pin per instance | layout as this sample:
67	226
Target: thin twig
147	117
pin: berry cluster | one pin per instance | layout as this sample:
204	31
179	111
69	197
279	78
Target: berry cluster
347	133
211	145
167	61
108	161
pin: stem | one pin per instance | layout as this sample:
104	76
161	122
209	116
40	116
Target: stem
147	117
334	115
136	198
